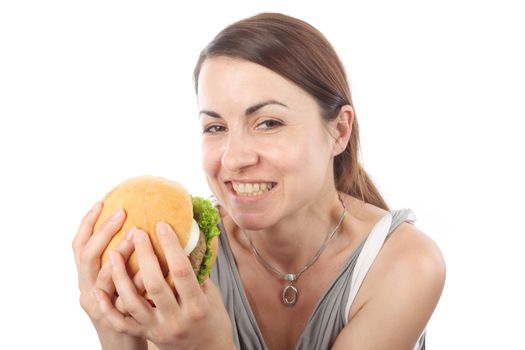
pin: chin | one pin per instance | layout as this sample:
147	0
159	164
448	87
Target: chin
251	222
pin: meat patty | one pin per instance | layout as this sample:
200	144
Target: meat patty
197	255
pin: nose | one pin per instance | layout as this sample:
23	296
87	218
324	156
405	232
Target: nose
239	153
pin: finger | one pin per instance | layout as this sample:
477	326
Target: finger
133	302
179	265
125	248
154	282
139	285
90	255
105	233
121	323
120	306
85	229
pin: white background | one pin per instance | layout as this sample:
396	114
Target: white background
94	92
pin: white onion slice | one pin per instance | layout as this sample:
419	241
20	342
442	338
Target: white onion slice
193	239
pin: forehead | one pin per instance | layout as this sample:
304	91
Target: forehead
223	80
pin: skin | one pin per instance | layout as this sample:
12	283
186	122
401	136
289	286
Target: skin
289	146
294	148
95	281
126	321
259	127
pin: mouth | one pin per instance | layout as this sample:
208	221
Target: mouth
251	189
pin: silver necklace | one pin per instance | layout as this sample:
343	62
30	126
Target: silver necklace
290	292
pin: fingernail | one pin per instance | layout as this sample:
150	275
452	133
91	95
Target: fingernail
162	228
139	237
117	215
131	232
112	257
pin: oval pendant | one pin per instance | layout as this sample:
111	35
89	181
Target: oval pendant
290	294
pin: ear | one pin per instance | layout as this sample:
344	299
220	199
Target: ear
342	129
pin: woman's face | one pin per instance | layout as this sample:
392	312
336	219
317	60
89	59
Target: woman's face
266	152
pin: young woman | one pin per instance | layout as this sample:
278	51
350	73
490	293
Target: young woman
302	223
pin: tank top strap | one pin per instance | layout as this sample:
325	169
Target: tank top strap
384	227
399	216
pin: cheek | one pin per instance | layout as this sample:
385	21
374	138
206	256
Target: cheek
307	163
210	158
303	152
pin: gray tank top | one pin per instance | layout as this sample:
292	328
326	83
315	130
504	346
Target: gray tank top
328	317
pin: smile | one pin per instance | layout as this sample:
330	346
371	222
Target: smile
252	189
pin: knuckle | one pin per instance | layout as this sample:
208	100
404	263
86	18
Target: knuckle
77	247
182	270
179	333
196	313
119	305
89	307
154	287
138	282
106	227
104	275
130	309
84	302
110	227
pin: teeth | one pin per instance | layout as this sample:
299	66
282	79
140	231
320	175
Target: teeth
252	189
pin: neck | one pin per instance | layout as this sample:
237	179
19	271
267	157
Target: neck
292	242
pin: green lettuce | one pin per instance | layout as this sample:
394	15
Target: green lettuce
208	218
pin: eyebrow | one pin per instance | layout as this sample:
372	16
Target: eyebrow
249	110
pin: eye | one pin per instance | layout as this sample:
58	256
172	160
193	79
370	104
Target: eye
269	124
213	129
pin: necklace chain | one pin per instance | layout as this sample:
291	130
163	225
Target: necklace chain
290	292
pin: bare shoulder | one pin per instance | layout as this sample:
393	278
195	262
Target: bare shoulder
398	295
410	265
409	252
406	251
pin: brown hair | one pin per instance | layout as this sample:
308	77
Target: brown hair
299	52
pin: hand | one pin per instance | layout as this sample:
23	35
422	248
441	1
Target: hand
194	317
92	278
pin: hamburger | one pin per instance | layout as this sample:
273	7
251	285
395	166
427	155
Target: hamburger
150	199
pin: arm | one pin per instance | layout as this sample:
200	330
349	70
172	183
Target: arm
398	295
